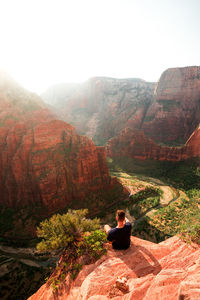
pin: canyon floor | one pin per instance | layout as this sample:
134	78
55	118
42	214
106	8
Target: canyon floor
150	198
147	197
159	264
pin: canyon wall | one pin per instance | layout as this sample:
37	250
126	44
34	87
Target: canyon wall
167	112
134	144
101	107
175	113
43	161
173	116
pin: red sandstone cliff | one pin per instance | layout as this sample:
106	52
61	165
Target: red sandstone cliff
169	270
43	162
134	144
175	113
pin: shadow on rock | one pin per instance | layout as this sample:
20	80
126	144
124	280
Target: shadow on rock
140	260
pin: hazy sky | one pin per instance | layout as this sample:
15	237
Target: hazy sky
47	42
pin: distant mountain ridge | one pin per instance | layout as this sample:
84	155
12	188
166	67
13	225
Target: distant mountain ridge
111	103
167	112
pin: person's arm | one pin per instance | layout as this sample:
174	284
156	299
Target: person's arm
128	223
126	220
107	228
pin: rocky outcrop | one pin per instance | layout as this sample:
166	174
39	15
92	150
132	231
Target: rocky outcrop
51	166
102	106
134	144
43	161
175	113
146	271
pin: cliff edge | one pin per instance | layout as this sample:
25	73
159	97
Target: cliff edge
146	271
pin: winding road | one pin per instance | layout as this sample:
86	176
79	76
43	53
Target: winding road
28	256
169	195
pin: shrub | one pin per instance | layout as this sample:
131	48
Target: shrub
190	228
62	231
93	243
74	235
190	232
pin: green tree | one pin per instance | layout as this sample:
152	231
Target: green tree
75	236
62	231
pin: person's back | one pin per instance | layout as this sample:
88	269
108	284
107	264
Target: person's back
120	235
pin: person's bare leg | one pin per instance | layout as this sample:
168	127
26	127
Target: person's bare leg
107	228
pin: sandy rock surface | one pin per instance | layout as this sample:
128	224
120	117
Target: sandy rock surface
169	270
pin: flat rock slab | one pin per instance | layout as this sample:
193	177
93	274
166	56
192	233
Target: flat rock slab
169	270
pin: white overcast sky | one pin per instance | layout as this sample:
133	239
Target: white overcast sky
48	42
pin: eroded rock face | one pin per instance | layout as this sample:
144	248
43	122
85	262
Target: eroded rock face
102	106
134	144
169	270
176	111
43	162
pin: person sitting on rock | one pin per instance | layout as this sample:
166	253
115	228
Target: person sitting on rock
120	235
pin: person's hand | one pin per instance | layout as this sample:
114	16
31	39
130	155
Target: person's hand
107	228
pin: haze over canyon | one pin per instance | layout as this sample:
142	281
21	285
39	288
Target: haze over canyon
138	115
54	156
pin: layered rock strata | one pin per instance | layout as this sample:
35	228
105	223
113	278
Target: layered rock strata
43	162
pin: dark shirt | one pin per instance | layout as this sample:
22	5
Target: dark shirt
120	237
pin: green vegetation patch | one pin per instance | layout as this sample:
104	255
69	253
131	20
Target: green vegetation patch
75	236
180	217
61	231
183	174
144	200
145	230
21	281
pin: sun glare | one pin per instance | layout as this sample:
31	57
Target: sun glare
48	42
